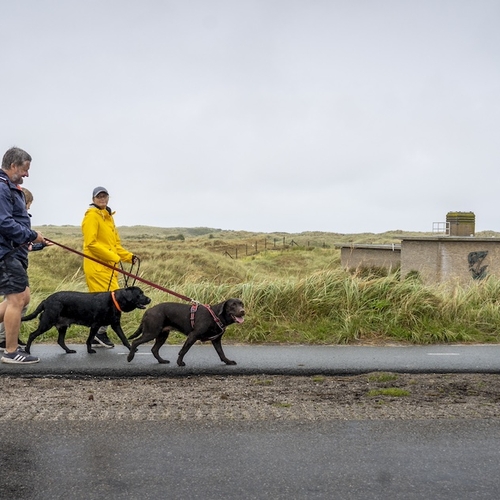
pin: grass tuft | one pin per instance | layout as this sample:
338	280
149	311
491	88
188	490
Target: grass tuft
382	377
393	392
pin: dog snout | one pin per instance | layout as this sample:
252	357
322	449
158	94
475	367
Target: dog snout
145	300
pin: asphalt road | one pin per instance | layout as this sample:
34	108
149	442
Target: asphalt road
359	460
272	360
347	460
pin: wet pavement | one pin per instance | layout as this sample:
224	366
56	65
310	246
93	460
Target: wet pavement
258	359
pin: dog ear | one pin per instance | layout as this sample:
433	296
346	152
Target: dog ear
127	299
219	309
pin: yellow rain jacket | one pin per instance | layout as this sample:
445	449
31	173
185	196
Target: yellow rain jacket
101	241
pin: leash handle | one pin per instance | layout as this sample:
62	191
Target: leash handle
126	273
135	260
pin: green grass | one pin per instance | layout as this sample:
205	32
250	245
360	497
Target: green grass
263	382
293	293
393	392
382	377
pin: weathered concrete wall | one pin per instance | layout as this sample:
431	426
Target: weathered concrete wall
365	256
461	223
450	259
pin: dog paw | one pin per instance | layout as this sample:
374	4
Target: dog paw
71	351
163	361
91	351
229	362
181	363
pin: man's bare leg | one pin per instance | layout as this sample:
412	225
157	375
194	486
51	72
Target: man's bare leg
12	309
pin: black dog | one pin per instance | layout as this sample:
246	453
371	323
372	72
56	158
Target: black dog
198	322
96	309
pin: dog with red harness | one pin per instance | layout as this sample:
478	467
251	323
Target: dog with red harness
196	321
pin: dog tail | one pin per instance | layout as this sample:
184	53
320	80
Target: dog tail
35	313
137	333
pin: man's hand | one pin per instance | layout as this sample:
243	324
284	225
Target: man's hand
39	238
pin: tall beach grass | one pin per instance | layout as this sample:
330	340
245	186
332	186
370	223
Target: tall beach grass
297	294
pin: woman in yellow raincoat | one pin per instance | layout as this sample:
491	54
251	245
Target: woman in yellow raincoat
102	242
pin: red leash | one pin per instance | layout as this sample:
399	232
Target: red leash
126	273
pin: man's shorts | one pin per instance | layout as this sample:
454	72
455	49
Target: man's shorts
13	276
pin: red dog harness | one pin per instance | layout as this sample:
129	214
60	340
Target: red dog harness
194	308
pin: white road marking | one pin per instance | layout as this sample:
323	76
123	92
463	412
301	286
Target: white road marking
136	354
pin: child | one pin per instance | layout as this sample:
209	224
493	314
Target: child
28	196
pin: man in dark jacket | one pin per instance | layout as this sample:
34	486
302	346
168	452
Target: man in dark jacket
15	236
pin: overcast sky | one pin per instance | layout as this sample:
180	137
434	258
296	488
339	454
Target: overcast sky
346	116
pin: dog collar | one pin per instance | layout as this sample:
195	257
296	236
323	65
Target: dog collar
115	302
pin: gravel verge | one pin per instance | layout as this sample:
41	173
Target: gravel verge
372	396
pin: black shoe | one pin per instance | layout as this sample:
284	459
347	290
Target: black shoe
101	340
2	344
